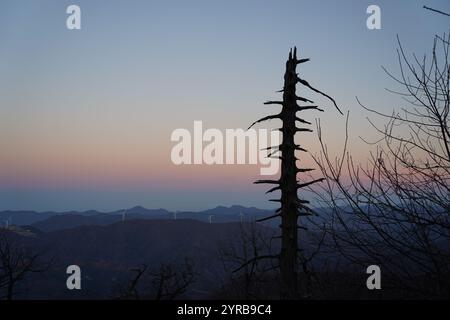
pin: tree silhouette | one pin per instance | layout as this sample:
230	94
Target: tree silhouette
394	210
292	206
17	263
167	282
251	282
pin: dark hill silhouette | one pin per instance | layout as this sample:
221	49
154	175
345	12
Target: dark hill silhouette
135	240
68	221
144	211
24	217
107	253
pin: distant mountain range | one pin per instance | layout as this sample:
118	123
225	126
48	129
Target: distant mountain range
108	245
52	221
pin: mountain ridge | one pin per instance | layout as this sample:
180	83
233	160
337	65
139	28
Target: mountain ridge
48	221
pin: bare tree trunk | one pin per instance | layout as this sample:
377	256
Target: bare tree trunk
291	206
9	290
288	184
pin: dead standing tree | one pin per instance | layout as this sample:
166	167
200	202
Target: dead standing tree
292	207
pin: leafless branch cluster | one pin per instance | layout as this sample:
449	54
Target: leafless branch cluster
251	261
395	210
16	263
165	283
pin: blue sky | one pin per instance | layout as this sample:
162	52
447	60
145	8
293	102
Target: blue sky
86	115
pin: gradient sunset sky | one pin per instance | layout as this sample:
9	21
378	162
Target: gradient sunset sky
86	115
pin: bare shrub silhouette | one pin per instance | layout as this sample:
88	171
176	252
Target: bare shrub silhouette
252	278
164	283
395	210
16	263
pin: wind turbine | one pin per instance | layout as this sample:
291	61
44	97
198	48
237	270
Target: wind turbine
175	215
242	216
210	218
124	213
8	222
